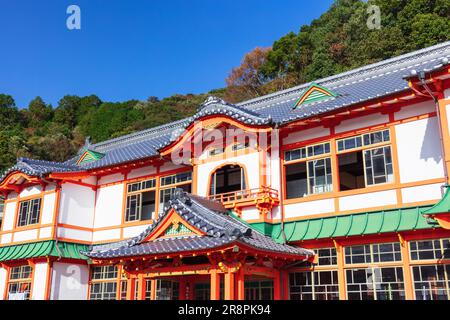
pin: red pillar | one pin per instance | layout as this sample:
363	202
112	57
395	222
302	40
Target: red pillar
241	284
182	290
285	285
276	285
215	285
229	285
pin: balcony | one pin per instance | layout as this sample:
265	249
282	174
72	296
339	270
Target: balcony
263	198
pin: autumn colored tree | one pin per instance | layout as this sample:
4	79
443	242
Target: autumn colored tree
246	81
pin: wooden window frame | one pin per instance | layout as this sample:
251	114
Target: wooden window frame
20	281
28	213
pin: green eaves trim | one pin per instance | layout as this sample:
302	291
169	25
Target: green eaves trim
442	206
43	249
364	223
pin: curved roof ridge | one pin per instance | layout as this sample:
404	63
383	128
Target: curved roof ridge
158	131
352	73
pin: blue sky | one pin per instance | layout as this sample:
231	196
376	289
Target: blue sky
136	49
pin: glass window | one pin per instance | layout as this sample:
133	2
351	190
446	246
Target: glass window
240	146
167	290
432	282
295	154
176	178
319	173
29	212
259	290
141	201
379	252
378	165
365	139
430	249
215	151
376	137
326	256
166	194
104	283
316	285
349	143
375	284
19	285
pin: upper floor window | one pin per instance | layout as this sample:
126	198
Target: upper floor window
215	151
140	200
326	256
430	249
373	253
364	160
19	284
311	171
170	183
29	212
229	178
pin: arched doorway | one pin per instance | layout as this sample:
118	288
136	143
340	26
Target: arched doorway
229	178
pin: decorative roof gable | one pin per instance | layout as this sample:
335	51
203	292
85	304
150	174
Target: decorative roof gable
314	93
90	156
191	223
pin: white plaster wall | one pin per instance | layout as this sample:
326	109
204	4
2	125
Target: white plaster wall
422	193
3	274
276	212
368	200
141	172
48	208
308	134
168	166
273	163
76	205
74	234
130	232
309	208
69	281
419	152
30	191
6	238
447	109
362	122
447	93
45	233
249	161
9	215
40	281
414	110
26	235
108	211
250	214
104	235
110	178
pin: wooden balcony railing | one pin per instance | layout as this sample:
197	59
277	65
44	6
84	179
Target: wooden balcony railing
264	198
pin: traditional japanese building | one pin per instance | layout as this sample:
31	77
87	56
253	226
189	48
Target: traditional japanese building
336	189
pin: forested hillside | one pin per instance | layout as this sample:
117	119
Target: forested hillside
337	41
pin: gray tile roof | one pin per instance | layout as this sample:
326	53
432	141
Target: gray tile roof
38	167
221	228
355	86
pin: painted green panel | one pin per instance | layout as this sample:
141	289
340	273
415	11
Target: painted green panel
374	223
359	224
42	249
442	206
363	223
391	220
315	226
343	226
328	228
